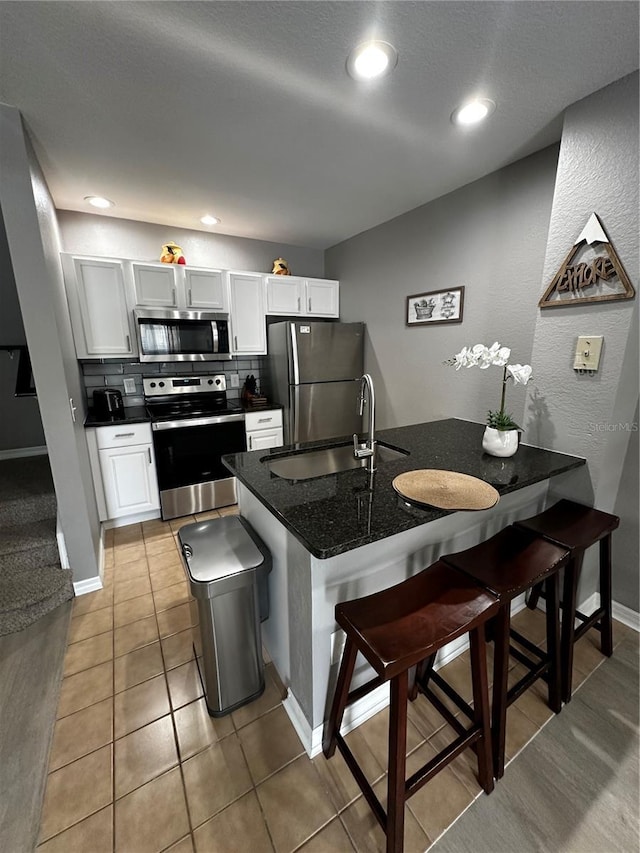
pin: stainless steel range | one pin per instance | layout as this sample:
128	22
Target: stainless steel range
193	426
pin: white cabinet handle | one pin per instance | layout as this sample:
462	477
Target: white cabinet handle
124	434
149	454
298	304
309	305
250	442
235	338
173	297
190	299
128	342
264	420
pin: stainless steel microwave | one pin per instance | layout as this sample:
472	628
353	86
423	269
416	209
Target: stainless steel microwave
167	335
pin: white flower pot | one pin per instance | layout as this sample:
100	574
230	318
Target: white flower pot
500	442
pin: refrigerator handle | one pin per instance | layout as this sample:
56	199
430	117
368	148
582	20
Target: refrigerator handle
294	355
295	415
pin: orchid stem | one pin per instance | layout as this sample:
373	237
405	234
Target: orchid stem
504	389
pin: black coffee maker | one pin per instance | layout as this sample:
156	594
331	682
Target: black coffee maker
107	404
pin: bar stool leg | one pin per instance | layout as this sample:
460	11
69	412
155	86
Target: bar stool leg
396	791
552	594
606	623
569	595
500	678
481	715
340	698
534	596
422	675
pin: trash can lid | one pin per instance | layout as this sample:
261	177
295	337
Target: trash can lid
218	548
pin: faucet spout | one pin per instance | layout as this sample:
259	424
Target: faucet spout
367	395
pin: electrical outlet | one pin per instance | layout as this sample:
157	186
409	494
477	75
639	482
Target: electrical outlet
234	379
588	350
129	385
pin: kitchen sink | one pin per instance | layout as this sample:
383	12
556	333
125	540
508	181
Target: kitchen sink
328	460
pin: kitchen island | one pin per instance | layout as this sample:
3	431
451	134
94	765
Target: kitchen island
348	534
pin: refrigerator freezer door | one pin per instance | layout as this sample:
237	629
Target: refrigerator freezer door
323	410
326	352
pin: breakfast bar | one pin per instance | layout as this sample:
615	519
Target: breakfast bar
344	534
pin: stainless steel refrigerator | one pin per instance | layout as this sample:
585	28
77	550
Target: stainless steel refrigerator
315	370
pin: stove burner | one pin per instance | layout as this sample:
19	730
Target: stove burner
182	397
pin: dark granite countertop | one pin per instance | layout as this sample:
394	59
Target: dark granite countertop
132	415
339	512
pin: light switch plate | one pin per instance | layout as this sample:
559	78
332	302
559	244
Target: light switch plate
588	350
129	385
234	379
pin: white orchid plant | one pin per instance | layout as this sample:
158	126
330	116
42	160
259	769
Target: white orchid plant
484	357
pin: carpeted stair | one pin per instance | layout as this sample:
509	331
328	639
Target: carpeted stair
32	582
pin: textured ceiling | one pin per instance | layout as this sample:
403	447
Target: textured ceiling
245	110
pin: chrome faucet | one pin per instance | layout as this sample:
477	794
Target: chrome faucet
367	395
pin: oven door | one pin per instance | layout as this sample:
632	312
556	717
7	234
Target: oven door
191	476
181	336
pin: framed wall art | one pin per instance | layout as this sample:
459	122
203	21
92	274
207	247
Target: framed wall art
436	306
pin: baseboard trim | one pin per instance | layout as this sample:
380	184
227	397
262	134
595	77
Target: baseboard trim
87	585
19	452
132	519
626	615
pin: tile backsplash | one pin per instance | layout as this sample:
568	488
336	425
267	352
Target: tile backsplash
112	373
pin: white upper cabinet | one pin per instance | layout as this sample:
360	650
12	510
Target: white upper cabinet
285	294
205	289
247	315
305	297
323	298
155	285
99	307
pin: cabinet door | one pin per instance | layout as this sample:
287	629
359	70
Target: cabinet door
129	479
247	314
285	295
206	289
99	308
264	439
323	298
155	285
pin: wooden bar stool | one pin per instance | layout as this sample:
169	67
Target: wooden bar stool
508	564
577	527
396	629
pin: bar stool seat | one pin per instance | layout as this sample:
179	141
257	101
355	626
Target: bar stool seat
395	629
508	564
577	527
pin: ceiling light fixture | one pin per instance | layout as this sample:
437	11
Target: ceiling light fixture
99	201
473	111
210	220
372	60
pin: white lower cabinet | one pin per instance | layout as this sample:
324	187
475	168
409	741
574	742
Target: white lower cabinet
264	429
124	470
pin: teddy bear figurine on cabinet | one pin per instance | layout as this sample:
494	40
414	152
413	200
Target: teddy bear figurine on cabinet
280	267
172	254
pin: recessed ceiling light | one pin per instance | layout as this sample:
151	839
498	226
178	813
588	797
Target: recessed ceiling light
210	220
371	60
99	201
473	111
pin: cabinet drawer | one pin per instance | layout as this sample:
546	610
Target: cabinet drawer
123	435
265	419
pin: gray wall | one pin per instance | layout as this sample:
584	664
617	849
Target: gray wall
488	236
92	234
20	423
34	248
594	416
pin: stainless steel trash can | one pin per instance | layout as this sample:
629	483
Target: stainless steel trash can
227	565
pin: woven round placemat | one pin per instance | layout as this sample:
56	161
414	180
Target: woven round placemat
445	489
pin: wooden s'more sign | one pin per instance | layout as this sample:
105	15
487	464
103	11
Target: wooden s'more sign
591	272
